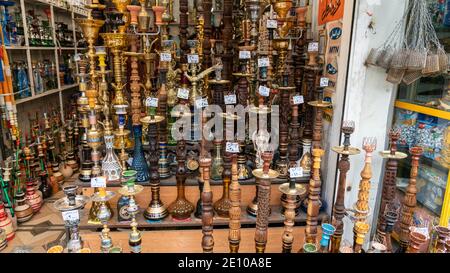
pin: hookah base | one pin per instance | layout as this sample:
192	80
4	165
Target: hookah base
222	207
156	212
181	209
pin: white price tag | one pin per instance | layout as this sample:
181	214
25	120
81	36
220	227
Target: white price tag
230	99
313	47
201	103
77	57
271	23
165	57
296	172
71	215
151	102
324	82
130	161
232	147
264	91
193	58
298	100
263	62
245	54
183	93
98	182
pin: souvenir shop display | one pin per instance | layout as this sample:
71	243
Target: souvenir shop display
208	115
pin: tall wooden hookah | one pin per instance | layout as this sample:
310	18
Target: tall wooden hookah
409	201
387	217
339	210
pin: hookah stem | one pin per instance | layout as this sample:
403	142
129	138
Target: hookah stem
6	195
207	4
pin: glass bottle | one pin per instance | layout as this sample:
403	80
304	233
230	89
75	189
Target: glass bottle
217	162
124	201
110	163
139	163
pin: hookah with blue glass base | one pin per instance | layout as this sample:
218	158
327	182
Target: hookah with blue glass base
6	19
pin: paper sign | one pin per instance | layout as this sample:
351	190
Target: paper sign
272	23
232	147
192	58
313	47
151	102
330	10
245	54
183	93
201	103
98	182
71	215
230	99
324	82
263	62
264	91
165	57
296	172
298	100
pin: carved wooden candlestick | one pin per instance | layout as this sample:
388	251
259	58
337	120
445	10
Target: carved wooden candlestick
234	236
156	209
264	176
344	165
315	183
181	208
362	205
360	229
409	201
207	209
389	185
416	240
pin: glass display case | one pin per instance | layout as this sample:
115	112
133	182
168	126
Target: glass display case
422	115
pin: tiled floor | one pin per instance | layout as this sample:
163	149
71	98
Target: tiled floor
45	228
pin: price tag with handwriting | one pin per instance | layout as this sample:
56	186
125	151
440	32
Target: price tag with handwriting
245	54
98	182
230	99
192	58
298	100
232	147
151	102
271	23
296	172
324	82
165	57
183	93
201	103
263	62
71	215
264	91
313	47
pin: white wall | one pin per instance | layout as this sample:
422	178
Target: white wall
369	98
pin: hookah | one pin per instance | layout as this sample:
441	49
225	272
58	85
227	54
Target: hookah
104	214
156	209
207	208
130	189
265	177
51	151
6	21
339	210
69	206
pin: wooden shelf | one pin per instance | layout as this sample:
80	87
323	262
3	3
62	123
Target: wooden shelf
46	93
276	218
42	48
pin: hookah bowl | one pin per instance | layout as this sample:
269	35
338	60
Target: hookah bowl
134	12
158	11
70	202
309	248
90	28
327	231
121	6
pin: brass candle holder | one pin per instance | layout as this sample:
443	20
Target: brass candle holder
156	209
344	165
264	176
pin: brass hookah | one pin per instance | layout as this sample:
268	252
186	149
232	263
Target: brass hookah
130	189
339	209
104	214
196	77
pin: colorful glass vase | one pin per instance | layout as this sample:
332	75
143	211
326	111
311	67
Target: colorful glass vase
139	163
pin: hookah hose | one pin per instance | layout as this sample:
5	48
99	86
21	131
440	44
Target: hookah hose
6	195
